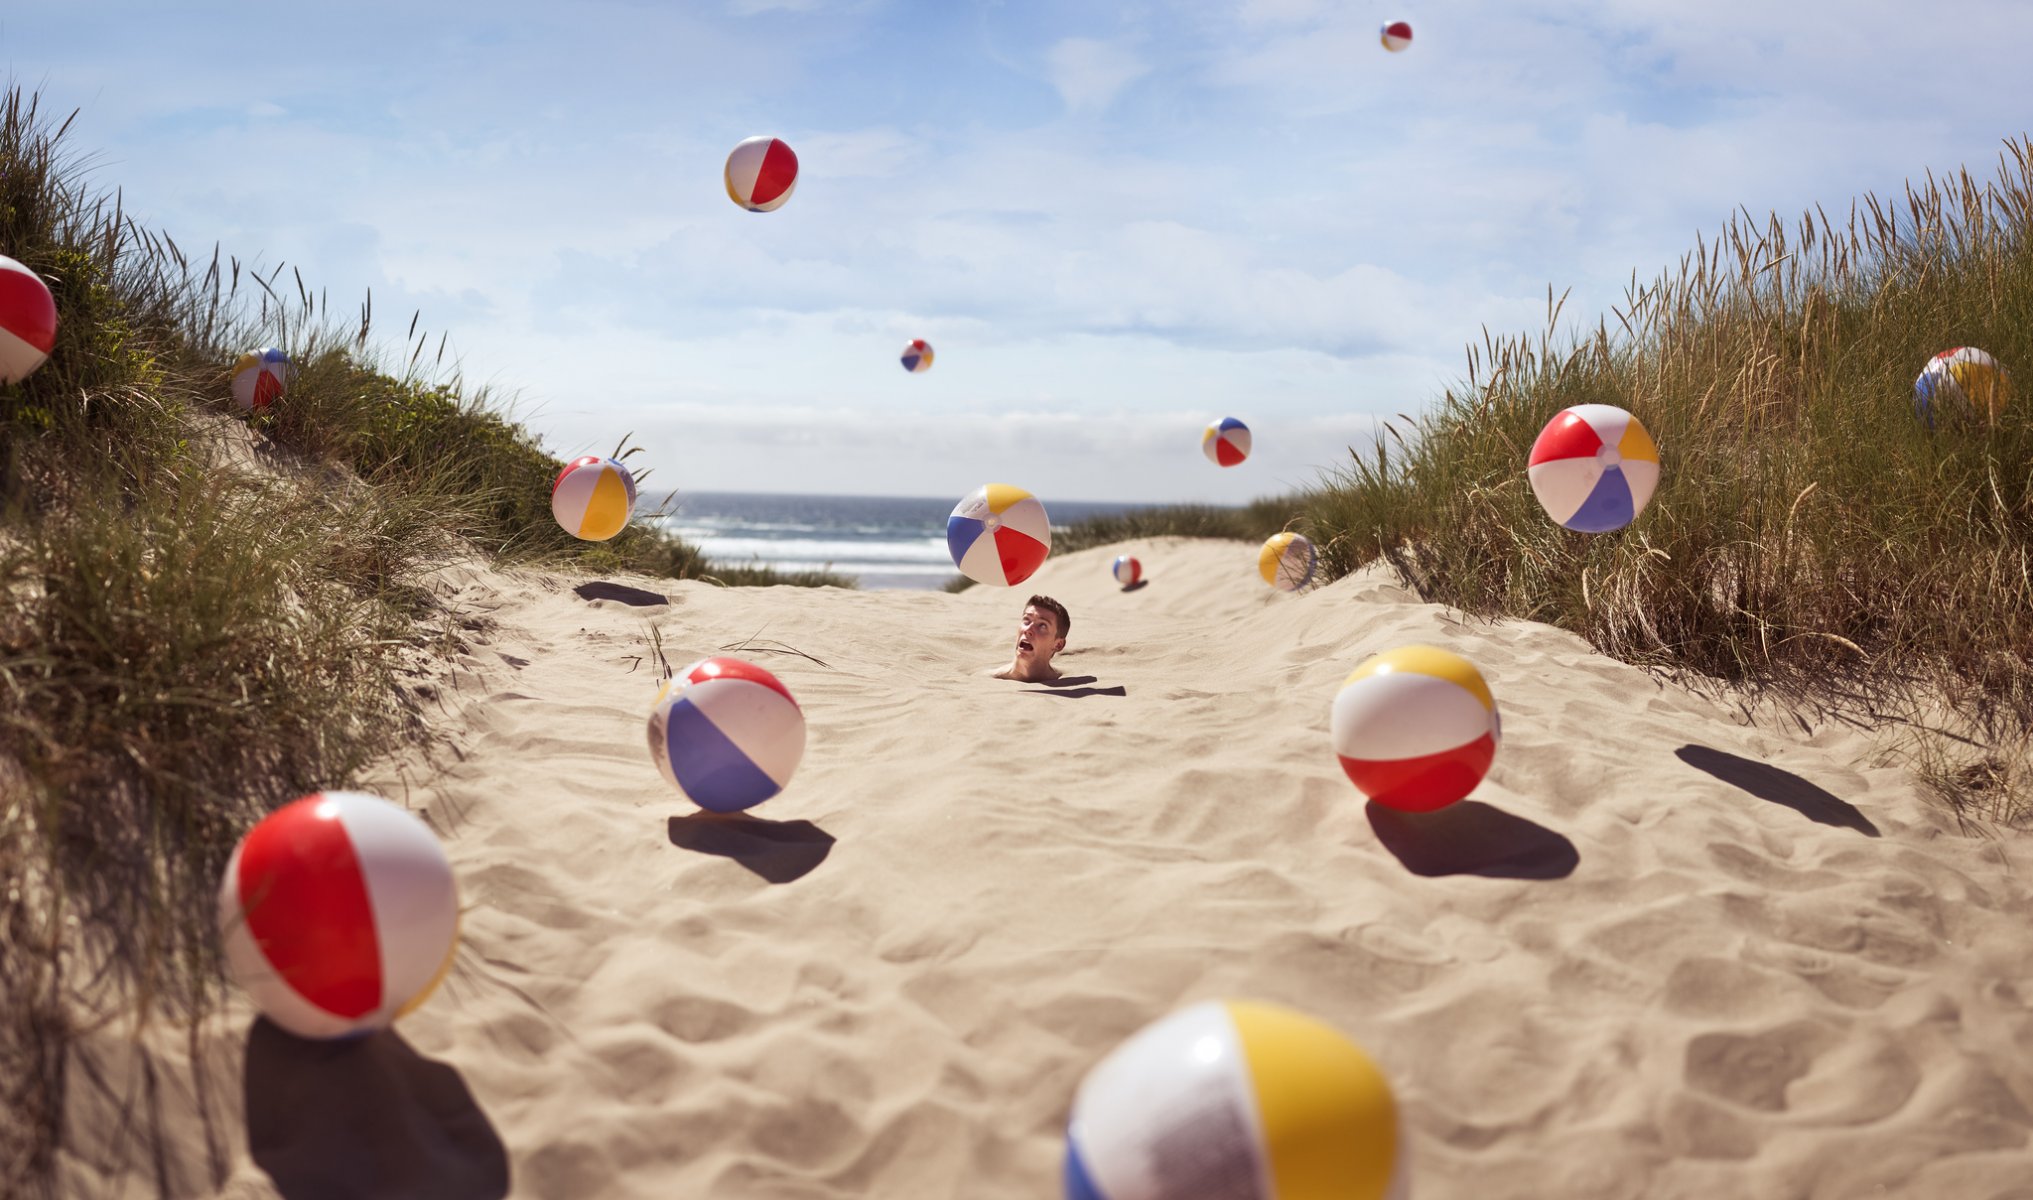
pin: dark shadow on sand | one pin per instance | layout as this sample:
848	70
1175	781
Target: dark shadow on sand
601	589
366	1117
1137	586
1473	838
1072	687
778	851
1781	787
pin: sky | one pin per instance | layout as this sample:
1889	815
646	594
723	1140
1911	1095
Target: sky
1115	223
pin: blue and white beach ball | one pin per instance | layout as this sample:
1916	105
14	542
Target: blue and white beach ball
1127	570
726	733
1237	1100
1594	468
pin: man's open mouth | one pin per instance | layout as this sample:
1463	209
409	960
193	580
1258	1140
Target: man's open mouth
1023	643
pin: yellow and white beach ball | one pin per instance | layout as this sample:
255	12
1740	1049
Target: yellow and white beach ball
593	497
1235	1099
1286	561
1962	383
1416	728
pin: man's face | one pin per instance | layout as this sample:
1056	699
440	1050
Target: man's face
1037	637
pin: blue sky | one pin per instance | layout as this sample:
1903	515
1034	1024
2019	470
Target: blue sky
1114	222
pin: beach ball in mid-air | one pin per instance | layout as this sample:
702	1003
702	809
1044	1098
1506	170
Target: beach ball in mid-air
1225	442
1127	570
1594	468
1963	382
1286	561
1235	1099
1396	36
1416	728
726	733
761	174
918	356
999	534
27	321
592	497
339	914
259	378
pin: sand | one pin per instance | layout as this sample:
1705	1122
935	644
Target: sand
1661	953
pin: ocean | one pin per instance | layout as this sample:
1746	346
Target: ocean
882	541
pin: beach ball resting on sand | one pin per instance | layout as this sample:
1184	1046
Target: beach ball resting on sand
1416	728
1396	36
761	174
339	914
1286	561
1594	468
27	321
917	357
998	535
259	378
1235	1099
592	497
1225	442
1127	570
726	733
1963	382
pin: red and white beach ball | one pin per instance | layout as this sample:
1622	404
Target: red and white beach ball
1396	36
339	914
726	733
1127	570
918	356
1231	1099
999	534
1416	728
1594	468
761	173
1225	442
27	321
1286	561
593	497
260	377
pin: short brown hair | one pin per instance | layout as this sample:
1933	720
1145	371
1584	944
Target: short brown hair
1059	614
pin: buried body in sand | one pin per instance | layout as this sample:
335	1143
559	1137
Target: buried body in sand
1658	953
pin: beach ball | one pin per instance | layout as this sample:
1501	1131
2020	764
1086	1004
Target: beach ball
1238	1100
592	497
761	174
918	357
999	534
1396	36
1593	468
259	377
339	914
1286	561
1127	570
1416	728
27	321
1964	381
1225	442
726	733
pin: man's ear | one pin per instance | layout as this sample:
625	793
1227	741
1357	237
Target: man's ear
1060	646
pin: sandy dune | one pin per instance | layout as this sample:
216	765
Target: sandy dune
1659	954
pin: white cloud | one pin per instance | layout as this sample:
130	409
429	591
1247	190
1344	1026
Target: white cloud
1090	73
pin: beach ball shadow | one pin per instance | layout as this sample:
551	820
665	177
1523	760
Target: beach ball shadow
366	1116
1782	788
603	589
1469	837
777	851
1138	586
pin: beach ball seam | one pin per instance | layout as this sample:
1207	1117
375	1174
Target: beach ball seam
28	321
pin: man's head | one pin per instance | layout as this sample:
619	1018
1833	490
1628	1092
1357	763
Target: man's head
1042	631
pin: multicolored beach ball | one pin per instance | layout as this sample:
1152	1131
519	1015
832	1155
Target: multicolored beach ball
1286	561
1594	468
918	356
339	914
1396	36
593	497
1416	728
1963	382
726	733
1225	442
260	377
1127	570
761	174
27	321
1238	1100
999	534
